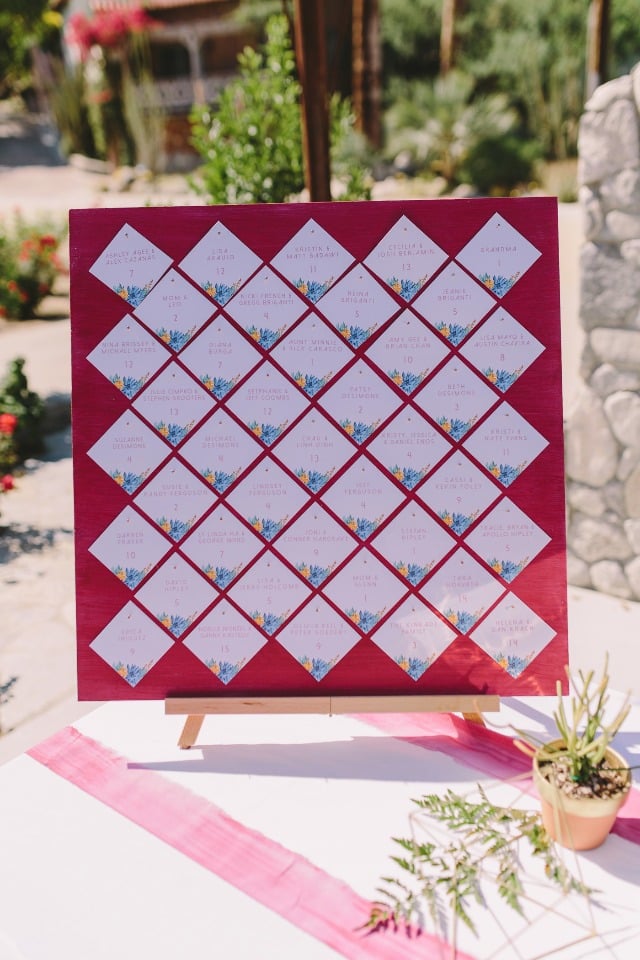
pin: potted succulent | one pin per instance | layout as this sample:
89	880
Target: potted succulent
581	780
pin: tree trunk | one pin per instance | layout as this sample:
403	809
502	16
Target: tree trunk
367	69
311	55
598	31
448	35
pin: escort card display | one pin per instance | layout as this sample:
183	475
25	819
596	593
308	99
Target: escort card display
318	449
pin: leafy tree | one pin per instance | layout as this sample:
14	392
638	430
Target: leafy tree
23	23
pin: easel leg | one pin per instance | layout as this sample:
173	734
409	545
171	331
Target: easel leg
474	718
190	731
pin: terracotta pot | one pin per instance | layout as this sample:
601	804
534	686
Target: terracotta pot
579	823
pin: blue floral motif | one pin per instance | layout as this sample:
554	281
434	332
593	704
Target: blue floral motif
314	572
309	382
365	619
414	572
131	672
455	427
458	522
361	526
174	527
267	432
173	432
175	339
513	664
134	295
266	526
408	476
220	292
508	569
357	430
174	622
128	480
130	576
313	289
129	386
504	472
221	576
316	666
461	619
313	479
413	666
502	379
453	332
356	336
267	621
220	480
406	288
224	670
498	284
218	386
265	337
407	381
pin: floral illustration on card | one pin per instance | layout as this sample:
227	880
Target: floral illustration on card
218	386
314	479
175	623
361	526
174	433
267	432
357	430
220	480
512	663
498	284
131	672
224	670
220	292
267	620
128	480
414	667
457	521
502	379
221	576
129	386
264	336
174	526
312	289
355	335
314	573
267	527
130	576
505	473
455	333
132	294
508	569
176	339
310	383
413	572
407	380
316	666
462	620
364	619
455	427
405	287
409	477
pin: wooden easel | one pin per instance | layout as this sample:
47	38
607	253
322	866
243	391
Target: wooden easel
196	709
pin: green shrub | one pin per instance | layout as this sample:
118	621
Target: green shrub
499	164
29	265
21	414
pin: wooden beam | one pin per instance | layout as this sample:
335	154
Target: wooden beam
311	56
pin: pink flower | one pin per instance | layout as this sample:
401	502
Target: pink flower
6	483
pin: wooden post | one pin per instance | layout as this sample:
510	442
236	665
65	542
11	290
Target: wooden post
311	55
367	69
598	23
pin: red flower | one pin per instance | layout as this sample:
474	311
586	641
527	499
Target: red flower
6	483
8	423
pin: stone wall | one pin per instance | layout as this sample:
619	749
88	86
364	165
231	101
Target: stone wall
603	427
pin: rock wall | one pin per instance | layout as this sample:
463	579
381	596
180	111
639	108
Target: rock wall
603	428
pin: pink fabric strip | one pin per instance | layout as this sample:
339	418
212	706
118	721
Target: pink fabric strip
488	751
280	879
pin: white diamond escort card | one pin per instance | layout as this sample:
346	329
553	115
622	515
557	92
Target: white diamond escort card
128	356
175	499
312	261
505	444
414	637
220	357
359	402
312	354
501	350
357	306
221	451
174	310
220	263
409	448
513	635
265	308
130	265
129	451
507	540
269	593
131	644
224	641
267	404
130	547
462	590
221	547
498	255
414	543
455	398
173	404
314	449
318	638
267	498
175	595
363	498
407	352
405	259
315	544
458	492
364	590
453	304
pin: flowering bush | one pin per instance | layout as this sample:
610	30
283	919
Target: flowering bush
29	264
107	28
21	412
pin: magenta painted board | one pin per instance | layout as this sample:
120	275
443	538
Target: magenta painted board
318	449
